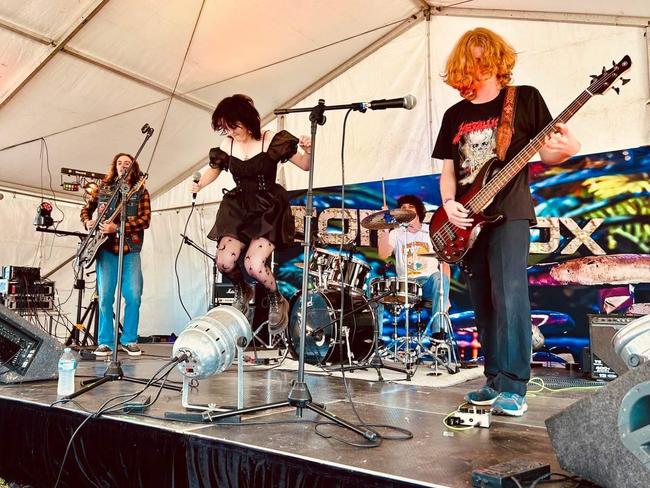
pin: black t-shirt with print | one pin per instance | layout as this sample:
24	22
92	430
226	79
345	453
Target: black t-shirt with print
468	137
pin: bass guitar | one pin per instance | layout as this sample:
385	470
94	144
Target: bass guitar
90	246
451	243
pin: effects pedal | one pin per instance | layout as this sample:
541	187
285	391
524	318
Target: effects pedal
471	416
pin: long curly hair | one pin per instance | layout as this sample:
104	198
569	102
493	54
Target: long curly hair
462	70
111	176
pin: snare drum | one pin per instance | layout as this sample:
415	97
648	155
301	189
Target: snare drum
331	269
395	289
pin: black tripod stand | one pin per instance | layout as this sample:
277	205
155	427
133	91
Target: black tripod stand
91	314
114	369
299	396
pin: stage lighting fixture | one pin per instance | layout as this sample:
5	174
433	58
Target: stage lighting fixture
43	215
209	345
70	186
632	342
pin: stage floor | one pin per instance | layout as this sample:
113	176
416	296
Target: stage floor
435	456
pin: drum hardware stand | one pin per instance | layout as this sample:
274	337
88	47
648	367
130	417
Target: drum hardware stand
448	346
299	396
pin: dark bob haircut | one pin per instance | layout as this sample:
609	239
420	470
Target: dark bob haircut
416	202
237	110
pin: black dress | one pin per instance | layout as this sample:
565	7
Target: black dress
257	206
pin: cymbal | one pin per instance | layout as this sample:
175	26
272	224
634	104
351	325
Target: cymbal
387	219
428	255
299	264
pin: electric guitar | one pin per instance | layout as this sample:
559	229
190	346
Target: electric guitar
451	243
87	252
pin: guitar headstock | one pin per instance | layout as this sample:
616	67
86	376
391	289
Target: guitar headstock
606	80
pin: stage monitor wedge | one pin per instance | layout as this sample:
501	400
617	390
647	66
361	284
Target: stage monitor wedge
605	437
27	353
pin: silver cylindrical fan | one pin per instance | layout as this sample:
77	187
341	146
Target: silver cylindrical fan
632	342
211	342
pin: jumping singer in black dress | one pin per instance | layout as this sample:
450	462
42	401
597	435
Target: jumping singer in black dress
255	216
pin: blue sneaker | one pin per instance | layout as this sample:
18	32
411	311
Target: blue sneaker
484	396
510	404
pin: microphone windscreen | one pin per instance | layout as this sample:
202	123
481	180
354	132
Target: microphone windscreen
196	177
409	102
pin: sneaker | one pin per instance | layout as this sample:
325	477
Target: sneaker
244	293
484	396
103	350
131	349
509	404
278	312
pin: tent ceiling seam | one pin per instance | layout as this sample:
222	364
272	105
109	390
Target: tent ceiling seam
58	46
403	26
24	32
120	71
305	53
565	17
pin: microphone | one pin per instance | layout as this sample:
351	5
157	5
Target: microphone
196	177
407	102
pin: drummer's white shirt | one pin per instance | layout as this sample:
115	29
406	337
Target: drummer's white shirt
416	243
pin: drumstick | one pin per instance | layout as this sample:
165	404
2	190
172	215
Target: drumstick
383	191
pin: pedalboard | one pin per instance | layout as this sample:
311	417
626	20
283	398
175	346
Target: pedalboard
511	474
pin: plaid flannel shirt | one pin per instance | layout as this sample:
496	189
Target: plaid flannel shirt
132	226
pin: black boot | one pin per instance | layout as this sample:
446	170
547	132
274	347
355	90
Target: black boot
278	312
244	293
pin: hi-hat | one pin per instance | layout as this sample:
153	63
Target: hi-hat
387	219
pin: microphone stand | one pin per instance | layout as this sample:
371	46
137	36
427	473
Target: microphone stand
114	369
212	258
299	396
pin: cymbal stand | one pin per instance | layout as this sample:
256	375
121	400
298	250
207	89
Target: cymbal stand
448	347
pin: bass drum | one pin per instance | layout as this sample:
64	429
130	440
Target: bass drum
322	332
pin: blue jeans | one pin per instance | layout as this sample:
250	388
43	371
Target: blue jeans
131	291
499	291
430	286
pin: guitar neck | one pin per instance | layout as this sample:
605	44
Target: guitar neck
485	196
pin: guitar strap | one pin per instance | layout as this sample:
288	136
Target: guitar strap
506	126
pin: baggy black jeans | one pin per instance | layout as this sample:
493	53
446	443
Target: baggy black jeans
499	292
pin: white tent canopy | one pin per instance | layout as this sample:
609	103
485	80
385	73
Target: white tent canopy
79	79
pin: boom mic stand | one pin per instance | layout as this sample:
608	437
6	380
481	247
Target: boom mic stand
114	369
213	259
299	396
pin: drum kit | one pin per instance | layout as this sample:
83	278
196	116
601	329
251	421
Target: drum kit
342	329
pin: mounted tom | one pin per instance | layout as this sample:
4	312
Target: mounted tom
451	243
88	249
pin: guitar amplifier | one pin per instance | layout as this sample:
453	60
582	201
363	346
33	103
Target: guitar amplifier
605	363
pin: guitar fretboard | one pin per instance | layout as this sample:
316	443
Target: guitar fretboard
485	196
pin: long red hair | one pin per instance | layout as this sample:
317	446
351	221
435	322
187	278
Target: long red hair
134	176
463	70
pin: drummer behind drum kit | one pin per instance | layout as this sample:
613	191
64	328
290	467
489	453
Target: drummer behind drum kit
337	287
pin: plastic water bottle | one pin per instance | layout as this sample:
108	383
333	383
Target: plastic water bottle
67	367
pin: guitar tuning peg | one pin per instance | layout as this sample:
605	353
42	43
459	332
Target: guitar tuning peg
613	63
603	72
593	77
617	90
625	81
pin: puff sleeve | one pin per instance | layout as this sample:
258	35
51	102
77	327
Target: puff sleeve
218	159
283	146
